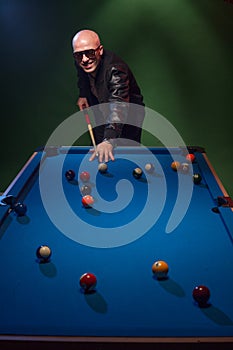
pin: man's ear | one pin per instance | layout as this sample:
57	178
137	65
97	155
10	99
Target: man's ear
101	50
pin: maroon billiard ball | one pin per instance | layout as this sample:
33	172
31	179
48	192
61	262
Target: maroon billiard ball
20	209
84	176
88	281
70	175
201	295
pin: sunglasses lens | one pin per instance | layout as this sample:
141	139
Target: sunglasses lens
77	56
88	53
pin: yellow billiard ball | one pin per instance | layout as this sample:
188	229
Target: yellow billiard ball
160	269
137	173
43	253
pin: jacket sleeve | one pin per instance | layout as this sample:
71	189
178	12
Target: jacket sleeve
118	87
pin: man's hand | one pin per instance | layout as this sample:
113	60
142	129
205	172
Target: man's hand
82	103
104	152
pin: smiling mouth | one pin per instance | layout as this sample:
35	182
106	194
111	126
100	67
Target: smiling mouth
87	64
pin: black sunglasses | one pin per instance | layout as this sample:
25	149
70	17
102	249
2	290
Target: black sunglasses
78	55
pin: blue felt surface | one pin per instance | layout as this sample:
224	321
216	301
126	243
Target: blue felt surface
46	299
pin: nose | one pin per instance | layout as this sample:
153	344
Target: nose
85	58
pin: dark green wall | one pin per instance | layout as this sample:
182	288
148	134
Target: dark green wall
180	51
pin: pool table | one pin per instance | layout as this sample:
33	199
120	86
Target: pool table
134	222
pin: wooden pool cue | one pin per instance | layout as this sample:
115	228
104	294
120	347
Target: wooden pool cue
90	131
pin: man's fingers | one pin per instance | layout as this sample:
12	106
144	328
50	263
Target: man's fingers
103	152
82	103
94	154
111	156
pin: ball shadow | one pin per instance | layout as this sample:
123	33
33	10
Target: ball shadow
23	220
96	302
107	174
216	315
48	269
171	286
92	211
73	182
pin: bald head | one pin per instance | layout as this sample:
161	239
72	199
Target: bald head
85	40
87	50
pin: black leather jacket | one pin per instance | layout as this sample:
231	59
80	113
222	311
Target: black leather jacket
115	84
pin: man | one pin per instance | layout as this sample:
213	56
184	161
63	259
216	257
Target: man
105	78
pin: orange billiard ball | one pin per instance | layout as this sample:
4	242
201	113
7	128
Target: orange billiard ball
175	165
160	269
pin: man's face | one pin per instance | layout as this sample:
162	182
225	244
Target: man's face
87	54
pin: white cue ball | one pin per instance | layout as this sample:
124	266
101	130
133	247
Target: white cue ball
102	167
149	167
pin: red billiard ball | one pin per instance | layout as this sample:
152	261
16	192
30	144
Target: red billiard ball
88	281
84	176
70	175
87	201
20	209
201	295
190	157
